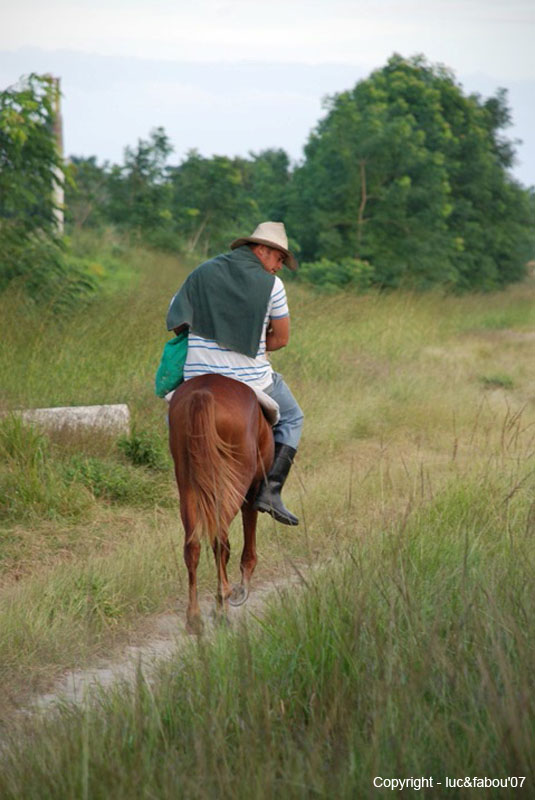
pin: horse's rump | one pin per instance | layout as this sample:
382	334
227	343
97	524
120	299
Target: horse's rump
214	429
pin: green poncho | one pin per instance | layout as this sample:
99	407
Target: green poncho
225	299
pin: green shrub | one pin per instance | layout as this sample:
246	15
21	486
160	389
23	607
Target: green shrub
145	449
164	239
497	381
346	273
48	274
108	480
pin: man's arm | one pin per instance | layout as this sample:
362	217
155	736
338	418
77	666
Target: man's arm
278	333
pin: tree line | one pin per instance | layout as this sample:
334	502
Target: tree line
405	181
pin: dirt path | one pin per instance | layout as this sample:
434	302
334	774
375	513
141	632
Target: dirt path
166	639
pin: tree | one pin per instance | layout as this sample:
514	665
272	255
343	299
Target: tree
209	201
266	177
408	173
490	211
29	166
139	192
87	194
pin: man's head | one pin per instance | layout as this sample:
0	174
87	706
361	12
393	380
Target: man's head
272	236
271	259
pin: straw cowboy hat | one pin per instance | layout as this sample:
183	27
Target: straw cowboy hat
273	234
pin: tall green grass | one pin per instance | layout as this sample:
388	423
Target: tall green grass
102	353
410	402
412	656
62	480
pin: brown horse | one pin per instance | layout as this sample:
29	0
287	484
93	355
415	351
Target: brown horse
222	447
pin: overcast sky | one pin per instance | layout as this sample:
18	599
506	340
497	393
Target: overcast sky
235	76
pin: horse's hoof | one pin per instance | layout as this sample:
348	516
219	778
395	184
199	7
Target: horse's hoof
219	617
239	595
195	626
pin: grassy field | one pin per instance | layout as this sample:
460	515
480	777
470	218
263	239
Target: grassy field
409	649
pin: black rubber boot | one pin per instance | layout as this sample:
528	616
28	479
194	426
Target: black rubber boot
268	498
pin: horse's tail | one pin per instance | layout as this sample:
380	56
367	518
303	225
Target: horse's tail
213	472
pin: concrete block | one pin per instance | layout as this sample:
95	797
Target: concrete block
111	418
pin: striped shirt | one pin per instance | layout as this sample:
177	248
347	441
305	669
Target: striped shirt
206	355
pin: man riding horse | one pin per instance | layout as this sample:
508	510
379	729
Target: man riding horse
235	309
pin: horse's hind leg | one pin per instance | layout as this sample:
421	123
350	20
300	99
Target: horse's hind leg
248	557
221	548
192	553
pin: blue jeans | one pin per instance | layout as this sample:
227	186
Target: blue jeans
288	428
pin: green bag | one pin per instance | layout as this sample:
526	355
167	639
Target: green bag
171	370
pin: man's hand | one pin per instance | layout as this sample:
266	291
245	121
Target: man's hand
278	333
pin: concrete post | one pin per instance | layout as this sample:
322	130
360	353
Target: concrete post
59	194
